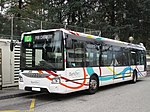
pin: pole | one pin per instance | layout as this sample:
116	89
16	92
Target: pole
12	34
41	25
20	4
65	25
12	30
84	30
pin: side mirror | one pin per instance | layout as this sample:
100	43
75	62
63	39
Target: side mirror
11	46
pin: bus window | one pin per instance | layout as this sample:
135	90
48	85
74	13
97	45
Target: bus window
142	57
38	54
120	56
92	55
75	55
125	58
42	51
106	56
137	57
133	58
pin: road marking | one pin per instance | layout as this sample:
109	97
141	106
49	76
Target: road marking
31	108
32	105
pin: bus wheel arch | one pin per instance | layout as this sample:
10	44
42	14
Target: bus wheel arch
93	84
134	76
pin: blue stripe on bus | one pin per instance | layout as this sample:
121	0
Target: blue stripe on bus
106	78
90	71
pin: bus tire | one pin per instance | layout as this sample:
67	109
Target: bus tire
134	77
93	84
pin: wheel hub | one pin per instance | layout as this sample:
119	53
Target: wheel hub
93	84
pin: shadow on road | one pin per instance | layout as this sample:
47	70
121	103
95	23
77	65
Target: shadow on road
63	97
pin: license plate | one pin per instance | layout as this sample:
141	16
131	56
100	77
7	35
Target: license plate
36	89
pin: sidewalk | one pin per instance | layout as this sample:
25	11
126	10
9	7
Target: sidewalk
12	92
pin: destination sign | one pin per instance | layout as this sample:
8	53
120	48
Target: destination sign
43	37
28	38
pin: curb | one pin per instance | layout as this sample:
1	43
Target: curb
15	95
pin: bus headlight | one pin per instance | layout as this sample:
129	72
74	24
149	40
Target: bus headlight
56	80
20	78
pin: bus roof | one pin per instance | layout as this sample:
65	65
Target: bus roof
96	38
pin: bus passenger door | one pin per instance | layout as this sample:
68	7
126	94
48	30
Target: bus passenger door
106	63
106	77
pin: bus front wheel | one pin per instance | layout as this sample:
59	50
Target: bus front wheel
93	84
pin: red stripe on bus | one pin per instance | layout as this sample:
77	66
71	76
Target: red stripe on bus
48	78
81	84
100	71
40	71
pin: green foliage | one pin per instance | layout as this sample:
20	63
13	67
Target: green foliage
122	17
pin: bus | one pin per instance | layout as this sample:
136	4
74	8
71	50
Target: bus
64	61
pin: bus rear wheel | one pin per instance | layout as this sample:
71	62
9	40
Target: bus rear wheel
93	84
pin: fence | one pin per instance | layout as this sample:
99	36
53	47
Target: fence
12	27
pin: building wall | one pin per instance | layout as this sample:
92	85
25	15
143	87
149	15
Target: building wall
10	63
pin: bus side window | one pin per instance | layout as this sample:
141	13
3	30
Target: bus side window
142	58
133	58
106	55
75	55
92	55
138	57
120	56
125	57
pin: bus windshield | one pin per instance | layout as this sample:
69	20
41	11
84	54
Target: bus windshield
42	51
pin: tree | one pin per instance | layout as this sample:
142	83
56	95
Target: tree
113	17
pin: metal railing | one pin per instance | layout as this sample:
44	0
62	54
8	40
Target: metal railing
14	26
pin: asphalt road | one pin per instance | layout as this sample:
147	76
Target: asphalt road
123	97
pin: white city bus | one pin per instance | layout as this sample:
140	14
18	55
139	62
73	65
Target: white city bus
64	61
